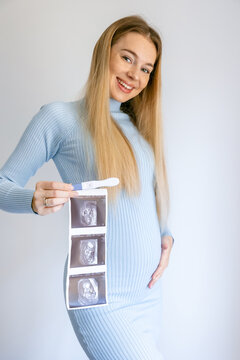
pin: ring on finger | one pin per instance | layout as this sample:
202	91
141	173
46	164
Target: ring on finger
45	202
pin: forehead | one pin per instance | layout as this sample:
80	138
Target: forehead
141	45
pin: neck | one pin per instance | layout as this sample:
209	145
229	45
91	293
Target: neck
114	105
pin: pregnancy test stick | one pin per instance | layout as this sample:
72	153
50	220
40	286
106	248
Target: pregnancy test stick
96	184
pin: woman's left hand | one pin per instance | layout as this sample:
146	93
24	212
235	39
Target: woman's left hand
167	243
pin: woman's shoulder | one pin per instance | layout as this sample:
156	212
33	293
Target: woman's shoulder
64	107
60	116
62	111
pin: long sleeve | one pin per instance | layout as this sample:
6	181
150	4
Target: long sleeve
167	232
38	144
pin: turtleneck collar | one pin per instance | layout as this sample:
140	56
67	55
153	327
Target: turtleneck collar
114	105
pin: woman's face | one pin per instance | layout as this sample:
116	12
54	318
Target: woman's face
131	62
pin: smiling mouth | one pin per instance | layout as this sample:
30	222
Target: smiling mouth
126	86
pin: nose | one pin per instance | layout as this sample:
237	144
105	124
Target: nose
133	73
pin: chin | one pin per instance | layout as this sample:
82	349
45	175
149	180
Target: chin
121	97
115	97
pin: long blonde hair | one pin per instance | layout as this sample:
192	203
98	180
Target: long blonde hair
114	154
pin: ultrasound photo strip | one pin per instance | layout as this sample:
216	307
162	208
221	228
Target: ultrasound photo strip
87	268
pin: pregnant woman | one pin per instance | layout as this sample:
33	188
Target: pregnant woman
115	130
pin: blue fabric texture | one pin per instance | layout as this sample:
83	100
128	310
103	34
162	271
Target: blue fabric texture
128	327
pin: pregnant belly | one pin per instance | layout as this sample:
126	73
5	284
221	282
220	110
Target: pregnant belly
133	254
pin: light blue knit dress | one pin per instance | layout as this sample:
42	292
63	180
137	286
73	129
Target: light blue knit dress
128	327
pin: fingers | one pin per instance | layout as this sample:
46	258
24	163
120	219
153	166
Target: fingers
56	194
51	210
50	196
56	201
156	275
53	185
163	264
53	205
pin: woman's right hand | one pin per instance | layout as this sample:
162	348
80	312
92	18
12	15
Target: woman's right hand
50	196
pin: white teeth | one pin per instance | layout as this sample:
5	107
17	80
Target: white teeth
125	85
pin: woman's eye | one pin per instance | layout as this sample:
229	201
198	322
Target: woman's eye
126	58
146	71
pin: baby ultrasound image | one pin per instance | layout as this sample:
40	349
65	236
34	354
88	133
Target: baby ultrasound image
88	211
87	291
88	252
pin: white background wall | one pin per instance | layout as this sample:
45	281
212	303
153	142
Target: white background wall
45	52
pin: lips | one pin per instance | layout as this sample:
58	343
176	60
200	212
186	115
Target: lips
119	79
124	86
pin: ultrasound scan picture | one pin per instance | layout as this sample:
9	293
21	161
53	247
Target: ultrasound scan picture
88	213
87	291
88	252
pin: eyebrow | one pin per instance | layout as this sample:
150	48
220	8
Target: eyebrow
133	53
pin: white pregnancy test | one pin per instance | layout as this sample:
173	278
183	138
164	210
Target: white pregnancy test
96	184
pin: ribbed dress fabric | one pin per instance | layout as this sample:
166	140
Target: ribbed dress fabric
127	328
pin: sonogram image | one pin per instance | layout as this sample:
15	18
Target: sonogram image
87	291
88	211
88	252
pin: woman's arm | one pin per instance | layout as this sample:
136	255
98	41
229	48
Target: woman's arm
167	243
167	232
38	144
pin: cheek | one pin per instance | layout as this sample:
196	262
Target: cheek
114	71
113	66
144	82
